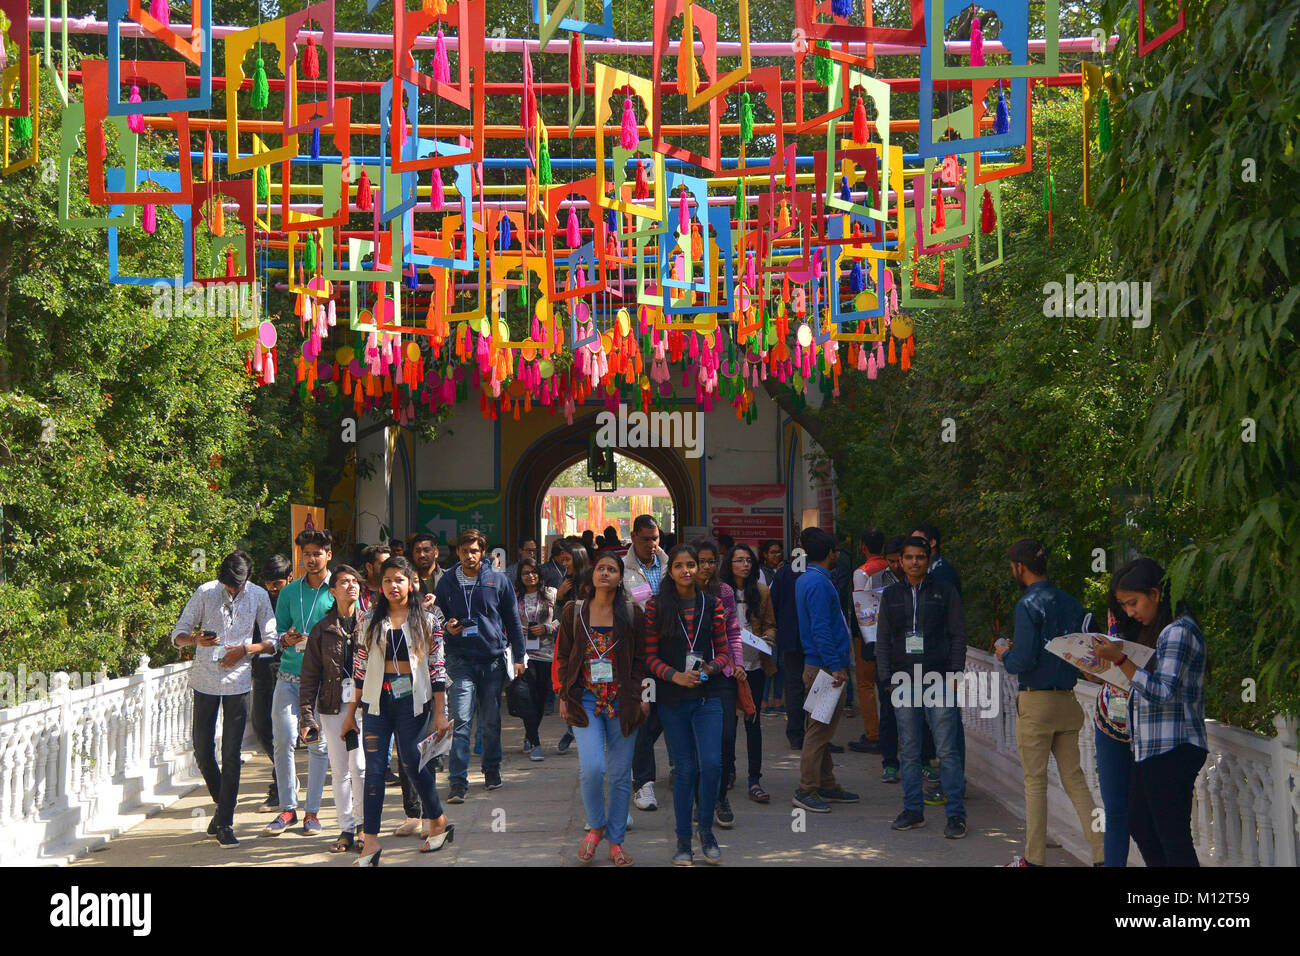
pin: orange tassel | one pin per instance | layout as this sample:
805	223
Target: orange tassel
892	357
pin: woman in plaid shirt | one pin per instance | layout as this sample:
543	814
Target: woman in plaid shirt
1166	716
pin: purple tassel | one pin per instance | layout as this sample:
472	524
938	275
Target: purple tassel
842	8
503	236
844	189
855	278
1002	121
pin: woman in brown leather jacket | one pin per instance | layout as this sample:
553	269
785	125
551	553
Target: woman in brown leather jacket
599	670
324	692
754	608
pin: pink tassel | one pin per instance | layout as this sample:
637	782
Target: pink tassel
683	216
331	318
150	222
862	359
436	196
161	11
574	235
872	370
136	120
976	43
441	66
629	137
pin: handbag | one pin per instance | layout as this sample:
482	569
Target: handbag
745	699
519	699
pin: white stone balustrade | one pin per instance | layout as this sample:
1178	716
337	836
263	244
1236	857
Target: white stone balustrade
1247	796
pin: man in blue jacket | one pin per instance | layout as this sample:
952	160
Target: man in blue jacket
824	635
482	623
787	640
1048	713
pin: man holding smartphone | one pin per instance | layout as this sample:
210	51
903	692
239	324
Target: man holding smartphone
218	622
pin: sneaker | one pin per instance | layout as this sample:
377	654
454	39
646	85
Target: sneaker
645	798
709	847
390	779
492	780
929	774
935	797
956	828
272	804
1021	861
457	793
890	774
565	742
908	820
864	746
213	828
527	746
310	824
683	856
226	837
536	754
835	748
838	795
723	815
810	801
281	823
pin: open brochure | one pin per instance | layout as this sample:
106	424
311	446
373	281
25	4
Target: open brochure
822	697
1077	649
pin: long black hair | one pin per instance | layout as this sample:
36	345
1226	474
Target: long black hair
622	602
668	604
753	599
580	569
708	544
417	627
1142	574
518	582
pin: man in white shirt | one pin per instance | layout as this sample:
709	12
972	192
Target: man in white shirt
218	623
644	566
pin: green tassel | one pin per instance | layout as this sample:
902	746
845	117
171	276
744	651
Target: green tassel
544	164
263	184
309	255
822	70
23	129
523	297
261	89
740	198
1049	193
746	118
871	197
1103	124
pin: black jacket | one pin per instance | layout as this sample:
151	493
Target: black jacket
939	617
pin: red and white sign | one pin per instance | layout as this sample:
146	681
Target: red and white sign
749	513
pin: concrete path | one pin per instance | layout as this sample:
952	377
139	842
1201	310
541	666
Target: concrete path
537	819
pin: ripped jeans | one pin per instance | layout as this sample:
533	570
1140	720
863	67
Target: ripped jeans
377	729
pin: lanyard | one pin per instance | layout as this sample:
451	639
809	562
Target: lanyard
302	584
600	656
916	599
469	598
228	612
400	633
699	620
537	607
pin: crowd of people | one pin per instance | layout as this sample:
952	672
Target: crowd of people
625	642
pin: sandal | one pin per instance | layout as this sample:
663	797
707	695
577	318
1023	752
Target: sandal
759	795
618	856
588	848
343	843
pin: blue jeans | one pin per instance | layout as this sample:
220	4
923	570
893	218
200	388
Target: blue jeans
284	724
1114	767
605	754
395	717
943	723
693	729
475	685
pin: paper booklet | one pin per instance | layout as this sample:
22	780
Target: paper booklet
822	697
1077	649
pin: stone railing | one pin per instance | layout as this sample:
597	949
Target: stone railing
1247	797
81	765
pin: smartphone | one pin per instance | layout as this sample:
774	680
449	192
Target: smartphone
350	740
312	735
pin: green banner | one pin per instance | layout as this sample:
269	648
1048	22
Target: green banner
446	513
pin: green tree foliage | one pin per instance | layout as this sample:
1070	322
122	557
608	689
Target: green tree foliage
1201	196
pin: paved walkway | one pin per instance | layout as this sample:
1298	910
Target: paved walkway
537	819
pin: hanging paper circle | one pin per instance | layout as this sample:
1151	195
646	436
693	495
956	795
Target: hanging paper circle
345	355
412	352
503	331
305	348
528	352
709	338
624	322
546	368
805	335
901	326
611	388
645	381
865	301
517	388
366	317
324	370
780	308
355	368
461	373
665	388
797	270
607	342
266	334
485	326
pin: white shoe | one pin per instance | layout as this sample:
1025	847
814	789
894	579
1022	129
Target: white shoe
629	821
645	798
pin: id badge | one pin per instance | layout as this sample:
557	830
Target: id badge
348	690
914	642
470	630
533	644
641	593
401	686
217	652
602	672
693	662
